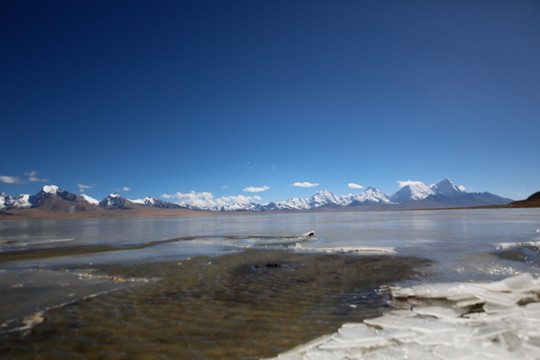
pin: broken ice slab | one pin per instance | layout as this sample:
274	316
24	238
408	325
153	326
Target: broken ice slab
505	326
418	324
440	312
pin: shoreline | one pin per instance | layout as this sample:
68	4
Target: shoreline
38	214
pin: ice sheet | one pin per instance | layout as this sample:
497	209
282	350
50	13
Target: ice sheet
498	320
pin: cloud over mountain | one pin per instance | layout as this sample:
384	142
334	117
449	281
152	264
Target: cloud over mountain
206	200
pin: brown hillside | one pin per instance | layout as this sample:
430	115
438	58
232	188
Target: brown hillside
531	201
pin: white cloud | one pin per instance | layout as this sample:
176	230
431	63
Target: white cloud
238	199
355	186
125	188
462	188
84	187
33	178
10	179
305	184
201	200
407	182
253	189
225	187
206	200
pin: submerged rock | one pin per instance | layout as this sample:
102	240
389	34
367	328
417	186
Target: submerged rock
270	265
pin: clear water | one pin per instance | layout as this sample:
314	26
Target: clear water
231	286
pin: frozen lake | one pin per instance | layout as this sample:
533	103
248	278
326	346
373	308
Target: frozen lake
51	270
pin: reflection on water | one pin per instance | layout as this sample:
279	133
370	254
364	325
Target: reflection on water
247	305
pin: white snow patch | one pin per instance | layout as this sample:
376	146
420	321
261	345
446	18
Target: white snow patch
149	200
90	199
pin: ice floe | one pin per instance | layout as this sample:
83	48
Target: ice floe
509	245
498	320
348	250
282	240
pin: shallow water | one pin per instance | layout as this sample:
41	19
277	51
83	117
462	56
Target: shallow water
233	286
258	303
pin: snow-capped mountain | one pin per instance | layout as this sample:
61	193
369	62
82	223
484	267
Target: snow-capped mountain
411	190
155	202
149	201
447	188
411	195
323	198
49	198
370	196
51	190
90	199
52	198
115	201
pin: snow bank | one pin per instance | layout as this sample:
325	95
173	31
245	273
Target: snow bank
499	320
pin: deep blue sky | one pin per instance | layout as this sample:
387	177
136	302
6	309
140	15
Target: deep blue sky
217	96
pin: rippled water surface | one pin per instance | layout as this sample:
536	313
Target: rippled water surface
233	286
236	306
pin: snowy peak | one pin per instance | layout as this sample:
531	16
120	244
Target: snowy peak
369	196
115	201
49	191
447	188
154	202
149	200
411	190
90	199
324	197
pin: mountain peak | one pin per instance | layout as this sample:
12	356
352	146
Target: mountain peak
324	197
115	201
411	190
370	195
446	187
90	199
324	192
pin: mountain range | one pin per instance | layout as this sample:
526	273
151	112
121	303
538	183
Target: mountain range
411	195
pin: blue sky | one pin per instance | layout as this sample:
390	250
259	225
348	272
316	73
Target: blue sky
167	97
